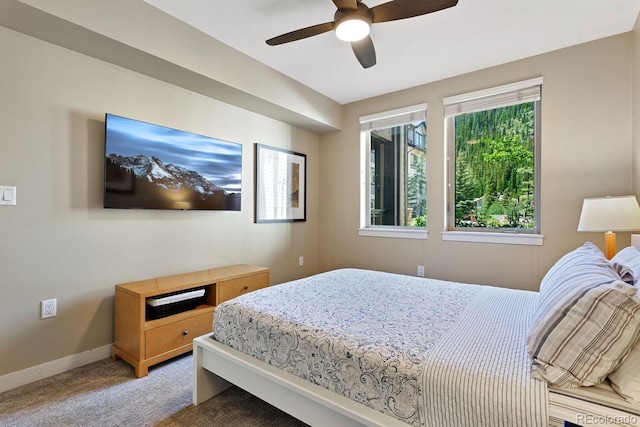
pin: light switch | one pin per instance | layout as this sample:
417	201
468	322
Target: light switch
7	196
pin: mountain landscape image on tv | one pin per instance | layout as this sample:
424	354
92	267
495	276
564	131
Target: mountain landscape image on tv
149	166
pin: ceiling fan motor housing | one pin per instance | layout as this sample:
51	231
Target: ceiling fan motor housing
362	12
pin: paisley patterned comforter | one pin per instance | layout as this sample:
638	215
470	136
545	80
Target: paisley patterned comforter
427	352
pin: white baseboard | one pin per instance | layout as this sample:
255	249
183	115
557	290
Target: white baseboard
35	373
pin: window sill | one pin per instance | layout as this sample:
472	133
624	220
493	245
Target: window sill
395	233
489	237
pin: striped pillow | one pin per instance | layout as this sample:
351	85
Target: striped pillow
586	322
626	274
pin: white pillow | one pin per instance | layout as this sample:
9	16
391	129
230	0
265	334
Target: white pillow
629	257
626	379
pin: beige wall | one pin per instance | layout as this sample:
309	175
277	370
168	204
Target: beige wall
125	33
636	107
586	152
58	242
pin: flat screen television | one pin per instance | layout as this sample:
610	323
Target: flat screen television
149	166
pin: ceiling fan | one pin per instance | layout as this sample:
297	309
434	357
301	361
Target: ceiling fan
352	22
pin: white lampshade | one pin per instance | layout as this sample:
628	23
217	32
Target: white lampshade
353	29
610	214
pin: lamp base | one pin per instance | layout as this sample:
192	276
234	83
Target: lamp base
609	244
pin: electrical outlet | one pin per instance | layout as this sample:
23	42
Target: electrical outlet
300	261
421	270
48	308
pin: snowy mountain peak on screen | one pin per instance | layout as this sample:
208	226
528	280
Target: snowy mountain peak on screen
169	176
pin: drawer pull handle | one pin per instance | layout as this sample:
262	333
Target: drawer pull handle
185	332
246	288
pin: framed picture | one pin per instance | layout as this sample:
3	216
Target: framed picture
281	185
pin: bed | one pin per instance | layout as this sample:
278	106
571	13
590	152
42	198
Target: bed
360	347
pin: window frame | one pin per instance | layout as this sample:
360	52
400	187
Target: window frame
368	123
487	99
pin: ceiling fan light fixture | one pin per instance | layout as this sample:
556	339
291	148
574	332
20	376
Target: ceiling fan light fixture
353	28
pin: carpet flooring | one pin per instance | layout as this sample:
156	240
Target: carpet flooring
106	393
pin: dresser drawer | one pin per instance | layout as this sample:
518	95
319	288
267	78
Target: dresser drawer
168	337
229	289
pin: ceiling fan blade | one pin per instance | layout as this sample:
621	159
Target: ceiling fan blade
346	4
301	34
365	52
401	9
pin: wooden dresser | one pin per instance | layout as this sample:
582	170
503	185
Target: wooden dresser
143	341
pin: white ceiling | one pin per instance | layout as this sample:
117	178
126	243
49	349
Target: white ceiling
473	35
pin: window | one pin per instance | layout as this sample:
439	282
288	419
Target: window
393	171
493	145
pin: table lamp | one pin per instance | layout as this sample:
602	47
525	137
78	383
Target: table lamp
610	214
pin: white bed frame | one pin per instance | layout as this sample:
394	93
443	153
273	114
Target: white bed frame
583	409
217	367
